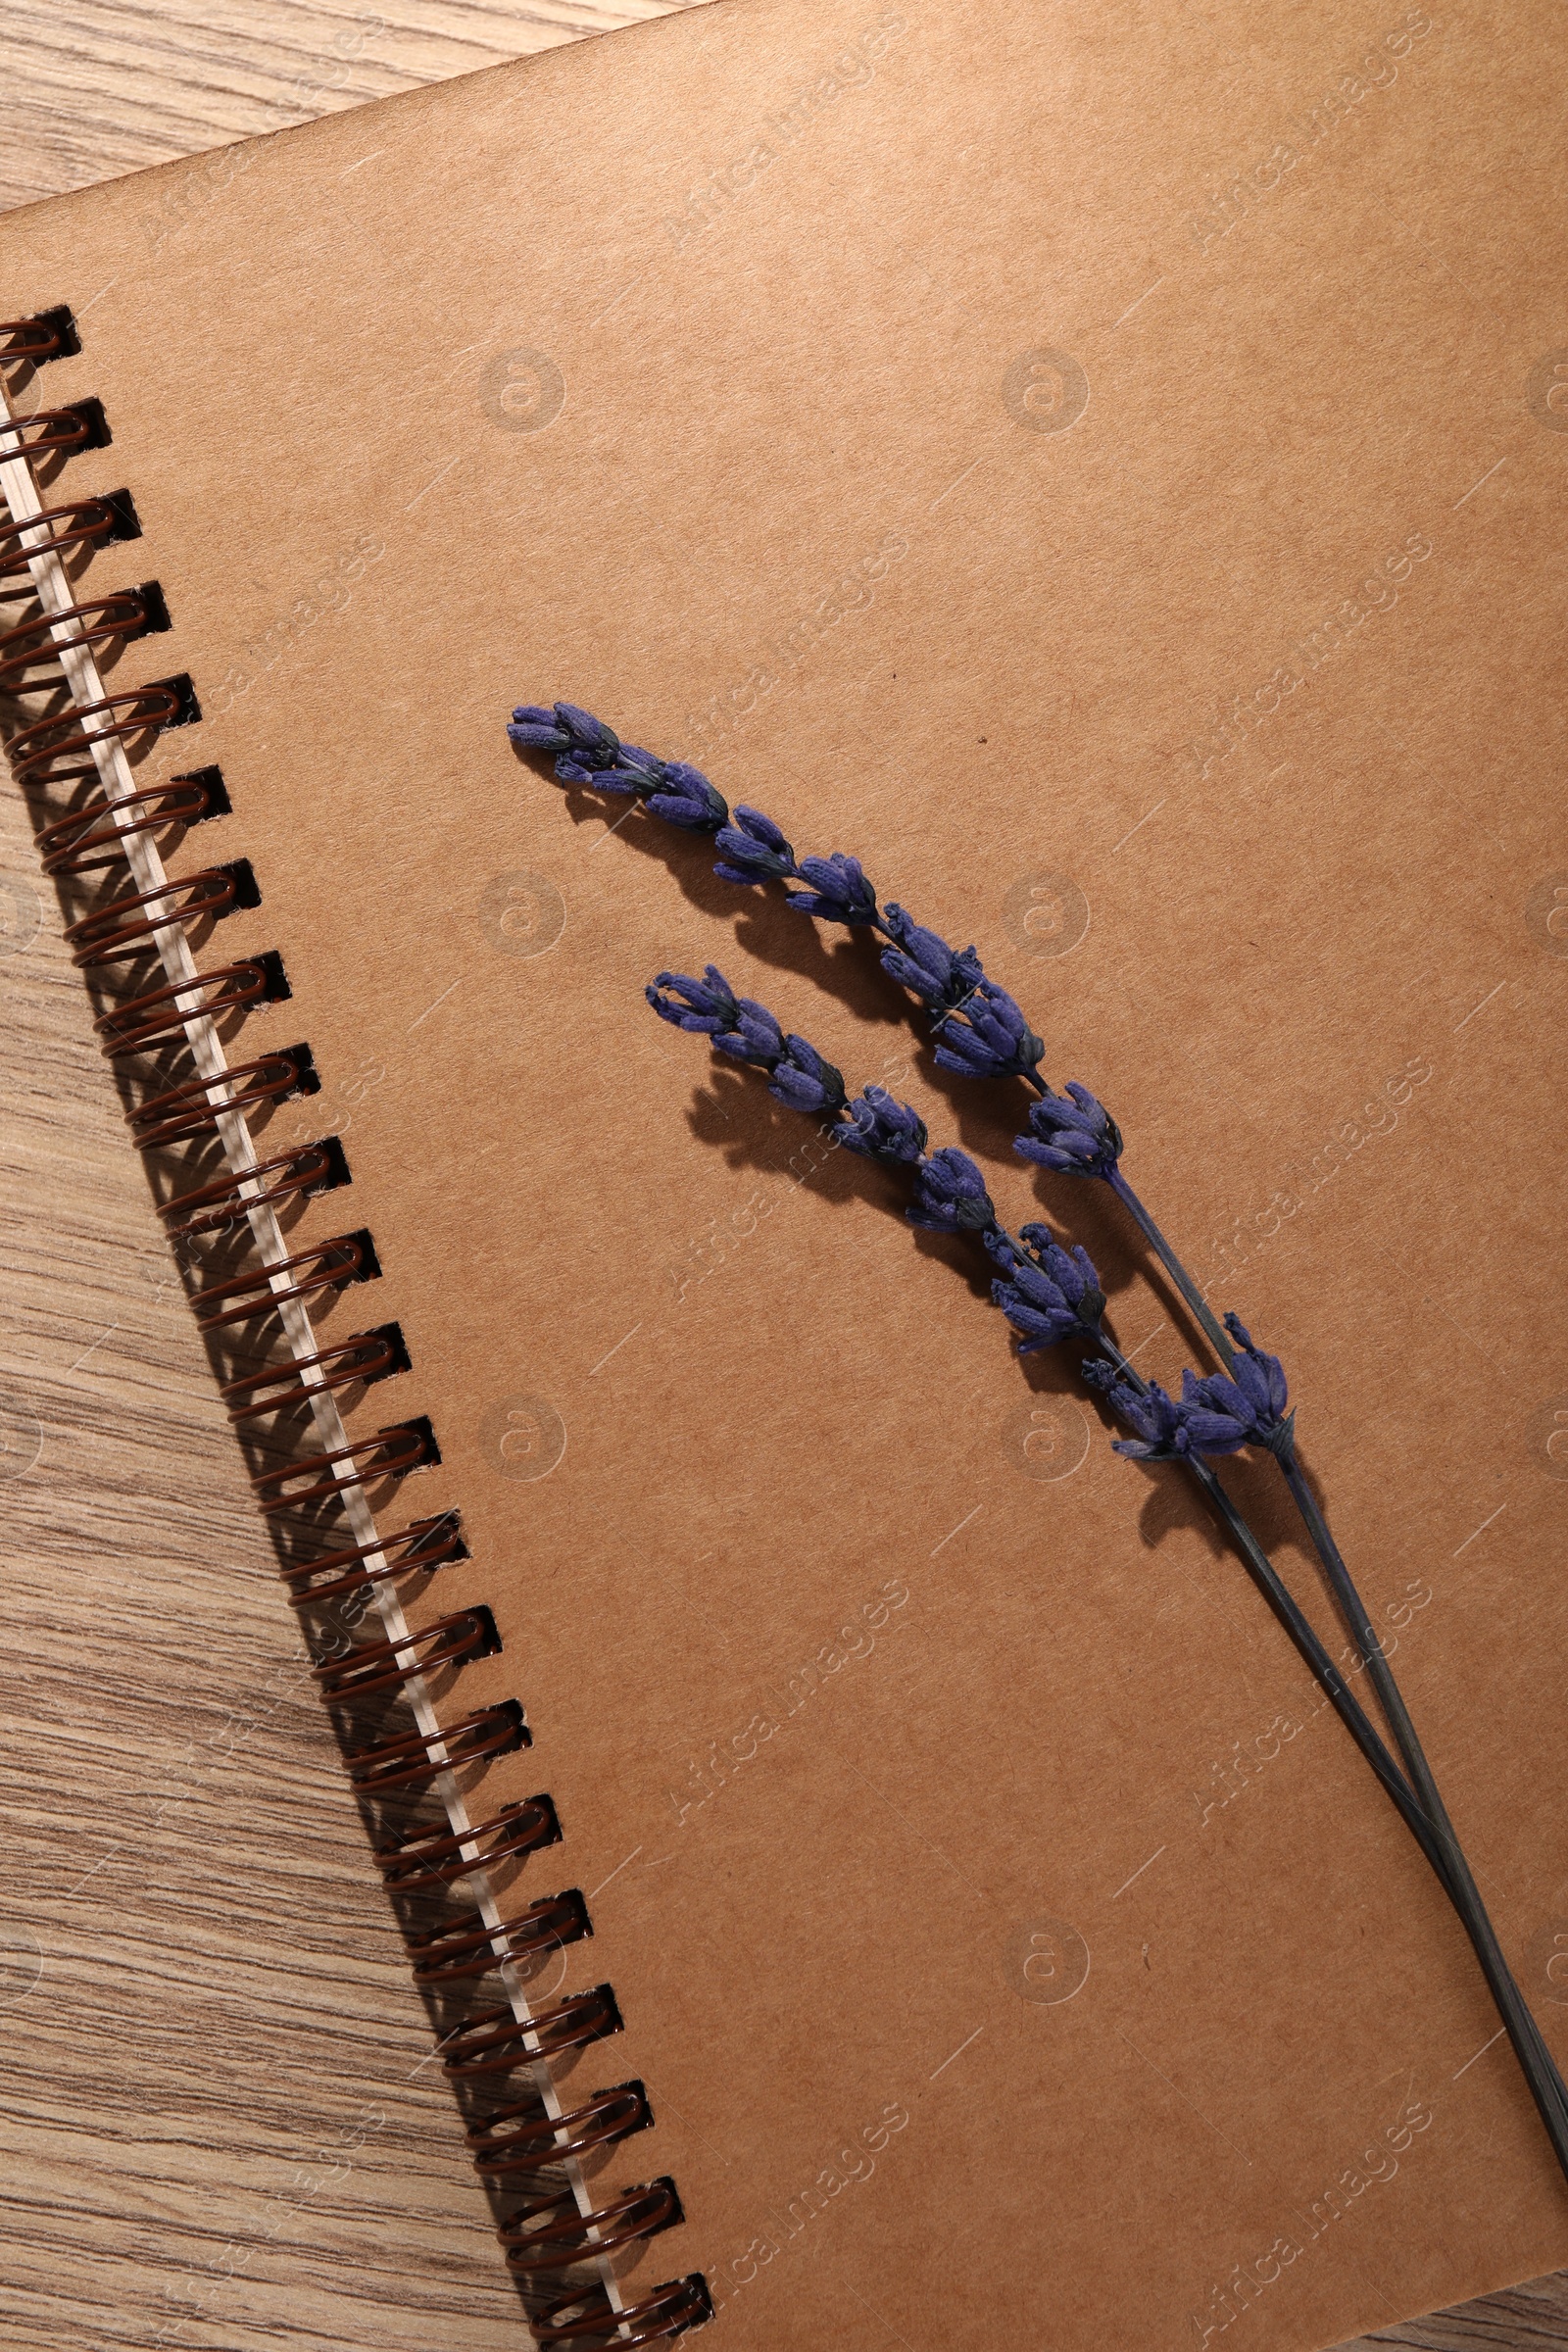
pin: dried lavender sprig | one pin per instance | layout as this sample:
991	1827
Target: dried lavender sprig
979	1031
1218	1415
1051	1295
951	1197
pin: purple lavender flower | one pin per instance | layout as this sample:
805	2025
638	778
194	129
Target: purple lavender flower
838	890
685	798
878	1128
1071	1133
803	1081
1255	1398
987	1036
950	1195
590	753
755	849
1165	1429
583	743
707	1006
923	963
737	1025
798	1074
1050	1294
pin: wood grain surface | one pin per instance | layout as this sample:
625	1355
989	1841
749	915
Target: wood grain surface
222	2123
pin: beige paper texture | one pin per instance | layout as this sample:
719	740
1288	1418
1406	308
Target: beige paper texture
1107	475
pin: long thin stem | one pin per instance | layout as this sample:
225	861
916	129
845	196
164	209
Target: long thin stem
1426	1819
1213	1330
1266	1577
1541	2069
1358	1620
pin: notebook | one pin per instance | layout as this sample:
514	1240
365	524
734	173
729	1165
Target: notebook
1105	474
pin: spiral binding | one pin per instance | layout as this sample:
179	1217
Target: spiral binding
533	2147
300	1174
470	1949
348	1258
516	2140
426	1858
552	2234
128	612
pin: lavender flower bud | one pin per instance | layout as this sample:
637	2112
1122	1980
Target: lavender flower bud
1162	1434
1071	1133
756	1037
1049	1294
950	1196
987	1036
685	798
803	1081
878	1128
1166	1430
1255	1400
584	743
590	753
707	1006
839	891
926	965
737	1025
755	849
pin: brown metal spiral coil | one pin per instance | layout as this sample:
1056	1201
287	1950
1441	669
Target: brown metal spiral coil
470	1948
589	2320
366	1355
435	1857
406	1761
553	2235
495	2040
226	1200
245	1296
145	1021
30	339
194	1107
34	751
118	932
62	749
94	836
541	2140
376	1665
426	1543
81	521
32	643
62	429
388	1454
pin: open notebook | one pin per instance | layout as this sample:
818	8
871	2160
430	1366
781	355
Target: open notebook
1105	472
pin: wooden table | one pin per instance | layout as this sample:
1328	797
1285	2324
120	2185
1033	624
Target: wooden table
222	2123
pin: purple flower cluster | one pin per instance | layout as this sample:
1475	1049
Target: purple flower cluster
747	1031
755	849
1213	1417
878	1128
590	753
950	1195
926	965
977	1028
1048	1293
1071	1133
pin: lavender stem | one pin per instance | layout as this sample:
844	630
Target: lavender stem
1212	1329
1483	1934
